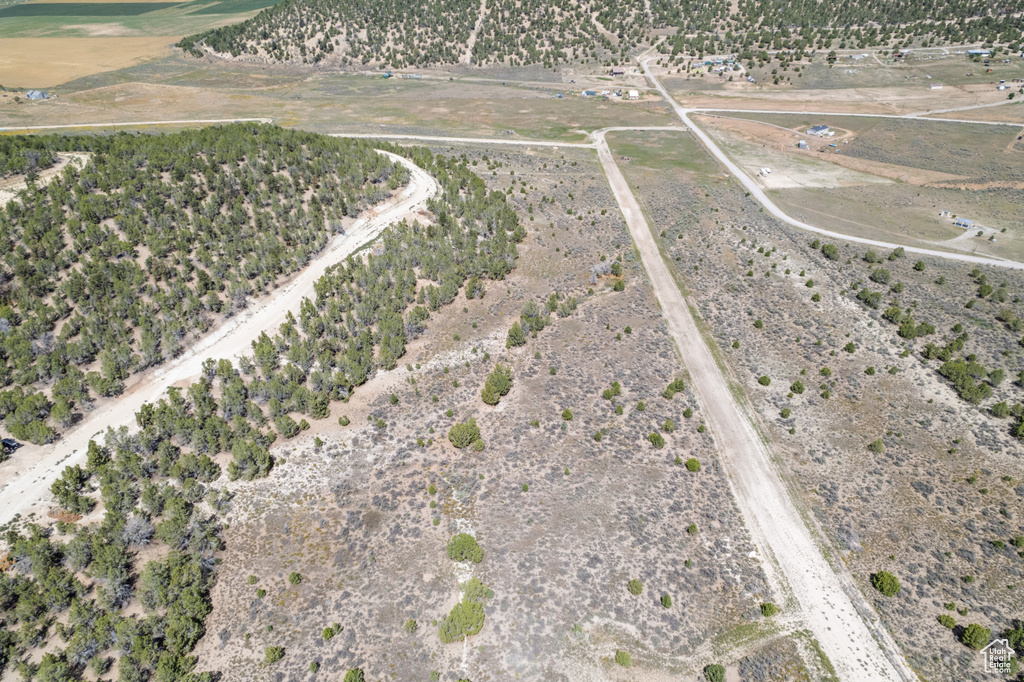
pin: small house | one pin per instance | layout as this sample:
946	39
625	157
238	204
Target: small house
944	214
802	144
819	130
935	86
964	223
978	53
618	71
36	94
590	93
633	94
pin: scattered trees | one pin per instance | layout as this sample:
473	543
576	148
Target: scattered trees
498	384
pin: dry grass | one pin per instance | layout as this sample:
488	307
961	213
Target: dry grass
69	58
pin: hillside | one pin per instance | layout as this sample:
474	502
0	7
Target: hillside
400	34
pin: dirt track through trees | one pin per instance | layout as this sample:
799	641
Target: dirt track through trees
856	643
31	471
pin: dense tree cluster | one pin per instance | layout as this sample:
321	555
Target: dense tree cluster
89	575
116	316
398	33
109	269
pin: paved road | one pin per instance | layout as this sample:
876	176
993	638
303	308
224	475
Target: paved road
856	643
759	194
37	468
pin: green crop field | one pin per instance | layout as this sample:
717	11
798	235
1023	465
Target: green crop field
235	6
83	9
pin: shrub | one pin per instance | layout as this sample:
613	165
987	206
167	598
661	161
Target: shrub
354	675
516	336
273	654
657	440
886	583
716	672
830	251
850	347
810	284
465	618
343	420
764	380
635	587
479	445
623	658
768	609
975	636
881	276
758	324
797	387
692	529
785	412
919	266
286	426
947	621
498	384
876	446
464	547
464	434
294	578
666	601
675	387
693	464
870	371
567	415
669	426
411	626
328	633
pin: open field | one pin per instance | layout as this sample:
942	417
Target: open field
974	171
866	86
45	44
175	89
927	506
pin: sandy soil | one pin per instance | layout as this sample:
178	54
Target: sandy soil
29	473
71	58
853	641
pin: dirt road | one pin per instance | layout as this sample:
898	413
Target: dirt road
133	124
30	472
856	643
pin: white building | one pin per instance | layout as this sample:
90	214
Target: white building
633	94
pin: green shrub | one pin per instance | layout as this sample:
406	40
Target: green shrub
976	636
947	621
343	420
877	446
623	658
676	386
768	609
466	618
693	464
657	440
785	412
273	654
797	387
886	583
635	587
764	380
253	580
294	578
567	415
666	601
870	371
516	336
411	626
286	426
831	251
464	547
692	529
328	633
669	426
464	434
354	675
716	672
850	347
758	324
498	384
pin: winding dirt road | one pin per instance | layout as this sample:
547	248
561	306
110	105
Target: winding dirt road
769	205
857	644
30	472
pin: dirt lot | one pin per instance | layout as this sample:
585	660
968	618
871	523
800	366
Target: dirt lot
947	484
357	519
